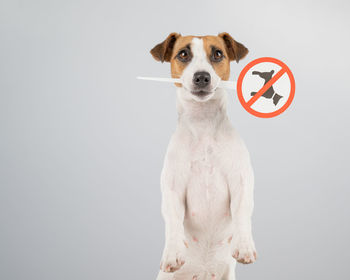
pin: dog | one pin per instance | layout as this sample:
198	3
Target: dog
270	92
207	179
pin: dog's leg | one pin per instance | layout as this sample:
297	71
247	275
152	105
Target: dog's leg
173	210
165	276
252	93
230	271
276	98
241	191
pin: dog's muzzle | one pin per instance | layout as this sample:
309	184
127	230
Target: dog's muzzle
201	83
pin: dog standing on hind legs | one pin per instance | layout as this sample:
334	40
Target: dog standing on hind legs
207	179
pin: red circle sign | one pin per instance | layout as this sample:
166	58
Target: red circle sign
267	89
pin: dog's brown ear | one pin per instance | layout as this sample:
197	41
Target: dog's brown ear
235	50
163	51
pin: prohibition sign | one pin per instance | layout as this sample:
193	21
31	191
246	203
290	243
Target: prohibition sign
266	88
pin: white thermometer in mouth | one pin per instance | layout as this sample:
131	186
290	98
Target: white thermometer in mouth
222	84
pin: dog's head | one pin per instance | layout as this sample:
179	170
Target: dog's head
199	61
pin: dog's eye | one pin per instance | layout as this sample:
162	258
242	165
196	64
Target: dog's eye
217	55
184	55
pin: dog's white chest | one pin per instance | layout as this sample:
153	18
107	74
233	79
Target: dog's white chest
207	193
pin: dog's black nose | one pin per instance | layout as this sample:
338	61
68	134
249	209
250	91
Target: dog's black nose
201	79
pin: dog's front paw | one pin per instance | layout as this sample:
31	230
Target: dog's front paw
244	250
173	256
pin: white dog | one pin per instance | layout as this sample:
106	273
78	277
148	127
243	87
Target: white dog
207	179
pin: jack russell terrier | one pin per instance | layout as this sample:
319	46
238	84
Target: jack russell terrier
207	179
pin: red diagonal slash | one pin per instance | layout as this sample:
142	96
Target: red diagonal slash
266	87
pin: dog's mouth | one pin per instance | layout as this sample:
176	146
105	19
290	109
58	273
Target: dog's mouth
201	93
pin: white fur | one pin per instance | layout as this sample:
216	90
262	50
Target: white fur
207	186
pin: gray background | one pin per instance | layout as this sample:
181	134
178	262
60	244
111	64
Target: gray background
82	141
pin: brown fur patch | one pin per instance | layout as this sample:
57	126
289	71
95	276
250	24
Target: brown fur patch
221	68
177	67
163	51
235	50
